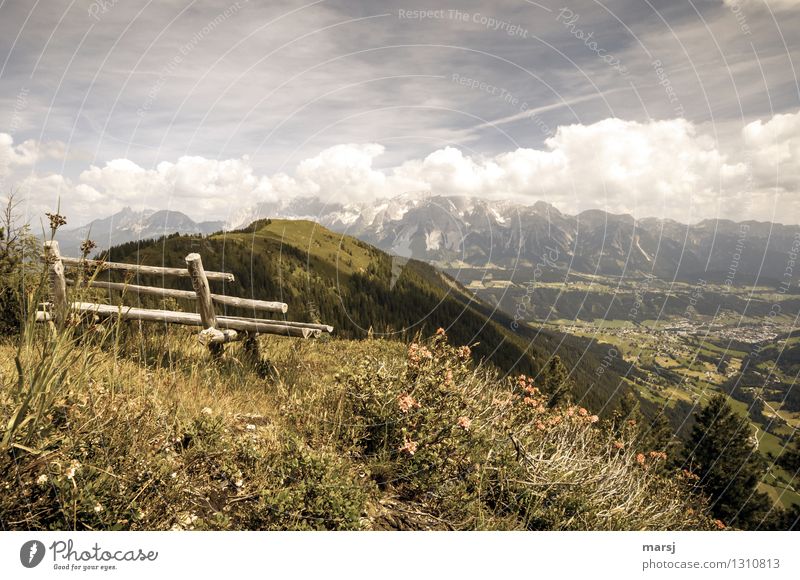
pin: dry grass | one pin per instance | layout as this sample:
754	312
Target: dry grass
138	428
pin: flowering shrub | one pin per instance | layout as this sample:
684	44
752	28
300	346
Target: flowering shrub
489	451
418	418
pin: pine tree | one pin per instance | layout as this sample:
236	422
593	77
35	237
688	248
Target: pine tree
658	436
557	383
628	412
721	453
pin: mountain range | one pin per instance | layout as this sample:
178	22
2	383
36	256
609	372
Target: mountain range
465	232
129	225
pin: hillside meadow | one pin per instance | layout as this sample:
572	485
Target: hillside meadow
129	427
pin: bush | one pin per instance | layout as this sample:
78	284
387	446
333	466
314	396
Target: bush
478	450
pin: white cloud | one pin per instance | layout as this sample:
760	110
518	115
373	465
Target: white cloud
622	166
773	149
662	168
12	156
27	153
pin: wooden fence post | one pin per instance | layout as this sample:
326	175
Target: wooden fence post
58	284
205	305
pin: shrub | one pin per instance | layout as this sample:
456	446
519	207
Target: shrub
479	450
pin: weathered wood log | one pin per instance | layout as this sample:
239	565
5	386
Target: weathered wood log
216	336
263	305
205	306
148	270
58	284
185	318
321	327
263	327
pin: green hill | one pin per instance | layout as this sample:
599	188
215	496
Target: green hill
336	279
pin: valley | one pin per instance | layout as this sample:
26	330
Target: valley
682	343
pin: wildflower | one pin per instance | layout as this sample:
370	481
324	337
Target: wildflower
440	331
640	459
720	524
406	402
239	482
530	401
582	412
73	468
464	422
657	455
594	419
540	426
98	508
448	378
42	479
618	445
689	475
206	411
56	220
571	412
417	353
409	447
87	246
250	427
464	352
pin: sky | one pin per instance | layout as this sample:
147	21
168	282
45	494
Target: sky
680	109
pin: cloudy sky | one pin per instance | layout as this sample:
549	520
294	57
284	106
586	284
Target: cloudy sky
686	109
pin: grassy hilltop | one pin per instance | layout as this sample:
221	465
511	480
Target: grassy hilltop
360	290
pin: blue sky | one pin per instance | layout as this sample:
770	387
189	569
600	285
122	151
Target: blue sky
679	109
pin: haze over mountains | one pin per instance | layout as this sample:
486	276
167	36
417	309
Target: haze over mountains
457	231
128	225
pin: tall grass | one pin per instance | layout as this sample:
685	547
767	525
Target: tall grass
122	426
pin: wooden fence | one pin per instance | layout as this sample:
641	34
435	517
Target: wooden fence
216	330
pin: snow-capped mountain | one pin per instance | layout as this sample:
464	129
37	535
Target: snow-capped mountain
457	231
129	225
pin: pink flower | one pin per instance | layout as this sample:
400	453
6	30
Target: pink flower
406	402
464	352
464	422
417	353
409	447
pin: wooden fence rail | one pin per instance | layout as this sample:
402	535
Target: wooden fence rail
217	330
251	304
152	270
